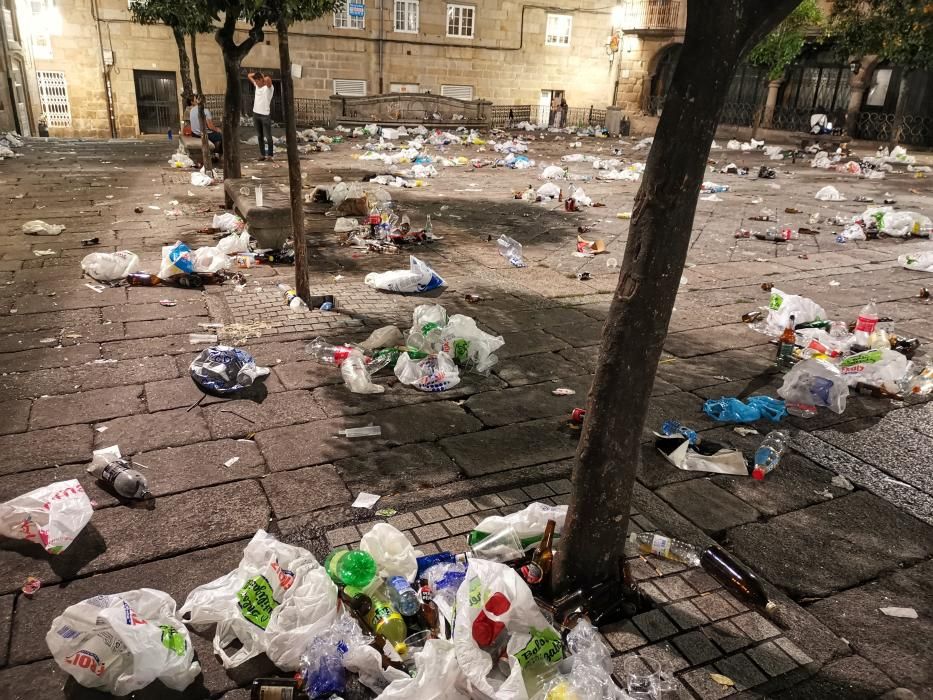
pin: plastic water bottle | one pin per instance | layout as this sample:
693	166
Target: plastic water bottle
351	567
122	478
403	596
294	301
356	375
322	351
769	454
666	547
866	323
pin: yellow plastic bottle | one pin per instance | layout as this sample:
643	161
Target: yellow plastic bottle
385	620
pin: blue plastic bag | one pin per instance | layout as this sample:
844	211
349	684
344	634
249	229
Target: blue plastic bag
224	370
733	410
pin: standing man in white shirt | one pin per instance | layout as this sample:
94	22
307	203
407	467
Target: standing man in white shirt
262	111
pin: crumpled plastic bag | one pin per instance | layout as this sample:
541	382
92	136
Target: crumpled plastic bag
177	259
438	676
121	643
222	370
829	194
529	524
273	602
432	374
201	180
229	222
470	347
511	250
815	383
211	260
553	172
494	605
110	267
732	410
392	551
548	191
904	223
234	243
180	160
922	262
881	368
782	306
37	227
51	515
418	278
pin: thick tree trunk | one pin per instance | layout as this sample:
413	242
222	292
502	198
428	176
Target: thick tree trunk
205	144
609	452
233	55
899	110
294	165
183	67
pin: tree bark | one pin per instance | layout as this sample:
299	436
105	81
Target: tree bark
205	143
609	451
899	110
187	92
294	165
233	55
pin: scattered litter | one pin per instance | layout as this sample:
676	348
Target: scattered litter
222	370
841	482
365	431
99	288
40	228
563	391
908	613
704	456
168	302
102	429
420	277
230	462
722	680
386	512
110	267
201	338
365	500
52	515
40	253
744	431
110	467
829	194
31	586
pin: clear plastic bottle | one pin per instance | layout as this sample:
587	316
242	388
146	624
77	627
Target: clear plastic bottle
769	454
356	375
294	301
866	323
322	351
666	548
428	228
403	596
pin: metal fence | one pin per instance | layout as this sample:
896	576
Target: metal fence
308	112
510	115
790	119
876	126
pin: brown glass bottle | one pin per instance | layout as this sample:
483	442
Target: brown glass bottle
142	279
739	580
430	617
786	344
538	570
274	689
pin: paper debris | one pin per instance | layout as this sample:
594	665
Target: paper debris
563	391
230	462
722	680
743	431
99	288
32	585
365	500
40	253
386	512
908	613
842	482
102	429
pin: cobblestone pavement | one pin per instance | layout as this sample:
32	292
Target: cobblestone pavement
83	369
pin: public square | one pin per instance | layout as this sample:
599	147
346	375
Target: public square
86	368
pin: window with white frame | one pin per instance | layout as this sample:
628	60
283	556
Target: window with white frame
53	95
350	14
460	20
406	16
460	92
558	30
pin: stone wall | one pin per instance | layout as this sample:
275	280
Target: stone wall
501	62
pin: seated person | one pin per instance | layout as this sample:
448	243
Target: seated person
213	133
820	124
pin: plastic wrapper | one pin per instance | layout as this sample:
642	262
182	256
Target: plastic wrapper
705	456
200	179
922	262
236	242
815	383
497	615
211	260
548	191
432	374
511	250
52	515
121	643
732	410
229	222
881	368
322	666
470	347
829	194
40	228
528	523
553	172
356	374
110	267
782	306
224	370
905	223
418	278
273	602
392	551
177	259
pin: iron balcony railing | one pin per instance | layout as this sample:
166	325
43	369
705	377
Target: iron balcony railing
651	15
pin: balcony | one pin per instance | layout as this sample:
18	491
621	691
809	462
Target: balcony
652	16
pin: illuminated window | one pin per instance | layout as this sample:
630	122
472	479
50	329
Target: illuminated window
558	30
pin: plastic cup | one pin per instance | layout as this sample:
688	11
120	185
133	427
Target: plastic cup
642	675
501	546
414	643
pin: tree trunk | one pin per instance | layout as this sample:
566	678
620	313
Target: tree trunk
233	55
294	165
609	452
899	110
187	92
205	144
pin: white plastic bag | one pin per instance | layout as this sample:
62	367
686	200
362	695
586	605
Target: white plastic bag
211	260
815	383
121	643
228	221
922	262
438	676
40	228
470	347
51	515
529	523
418	278
199	179
177	259
782	306
548	191
829	194
432	374
276	599
392	551
180	160
905	223
110	267
491	594
234	243
882	368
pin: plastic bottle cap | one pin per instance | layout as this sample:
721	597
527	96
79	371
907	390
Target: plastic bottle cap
758	474
401	649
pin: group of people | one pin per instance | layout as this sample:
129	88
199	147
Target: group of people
262	118
559	109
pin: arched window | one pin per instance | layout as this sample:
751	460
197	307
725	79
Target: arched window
746	96
817	82
661	77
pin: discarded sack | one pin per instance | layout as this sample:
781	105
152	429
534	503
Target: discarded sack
110	267
829	194
494	605
236	242
51	515
210	260
418	278
177	259
782	306
815	383
40	228
392	551
704	456
121	643
923	262
432	374
223	370
528	523
273	602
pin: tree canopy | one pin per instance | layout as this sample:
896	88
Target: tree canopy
782	46
184	15
899	31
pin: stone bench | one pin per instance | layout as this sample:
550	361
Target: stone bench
192	146
271	224
830	140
